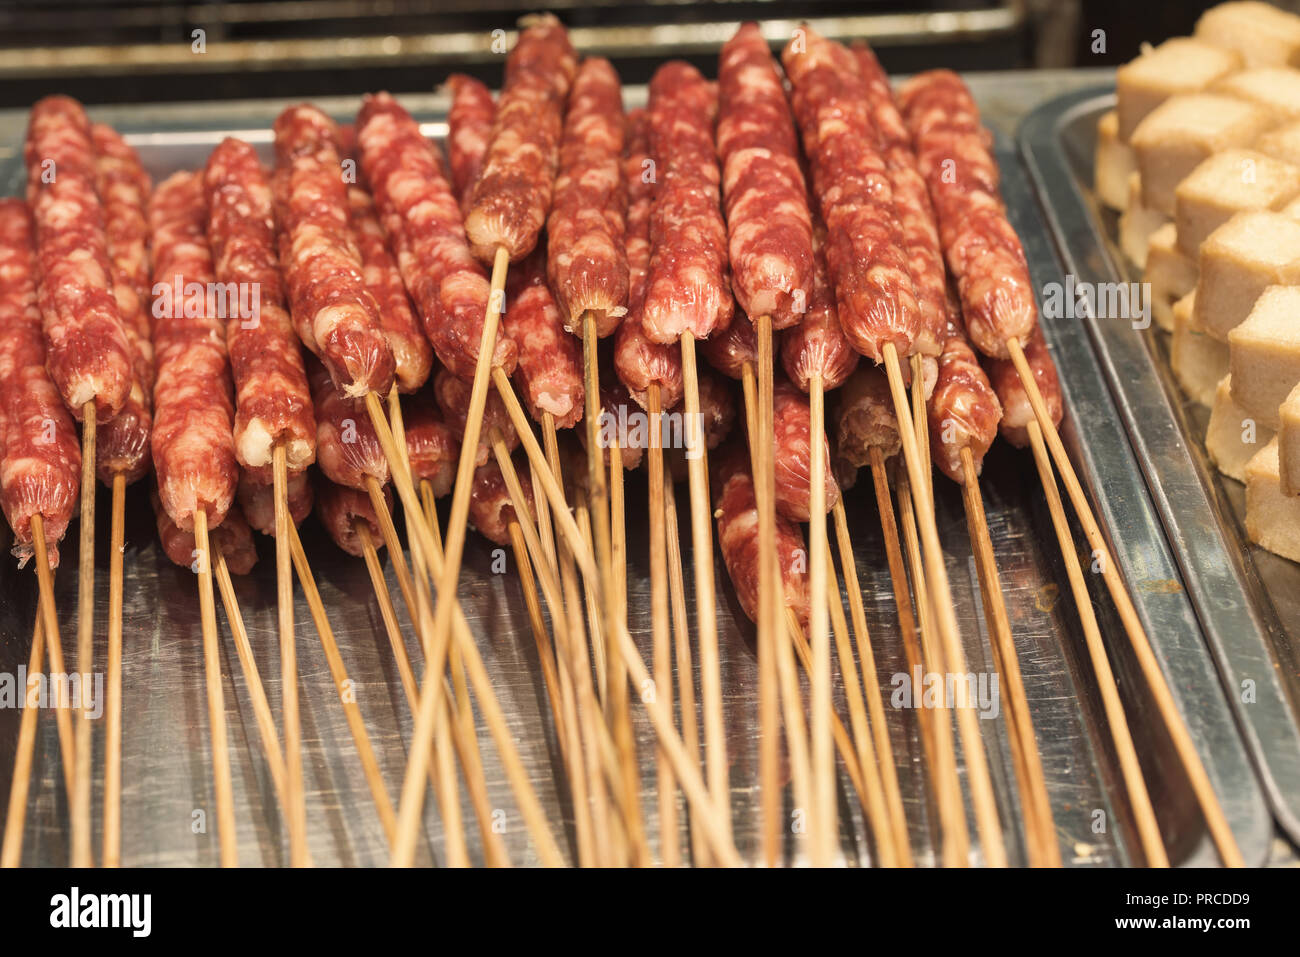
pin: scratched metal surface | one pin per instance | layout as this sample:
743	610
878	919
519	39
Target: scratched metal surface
167	772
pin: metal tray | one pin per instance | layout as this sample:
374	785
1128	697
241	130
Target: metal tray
167	771
1247	599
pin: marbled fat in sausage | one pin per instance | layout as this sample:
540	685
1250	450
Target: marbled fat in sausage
257	500
469	128
549	374
122	444
88	354
793	455
736	511
865	249
193	398
40	457
453	395
688	288
768	222
273	402
412	356
347	449
587	259
513	194
322	266
982	250
423	224
963	411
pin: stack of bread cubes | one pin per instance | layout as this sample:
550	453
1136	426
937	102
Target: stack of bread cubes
1201	156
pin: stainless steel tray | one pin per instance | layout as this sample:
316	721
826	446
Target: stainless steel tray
166	764
1247	600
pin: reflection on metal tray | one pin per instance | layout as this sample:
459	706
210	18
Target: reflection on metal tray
1247	599
167	771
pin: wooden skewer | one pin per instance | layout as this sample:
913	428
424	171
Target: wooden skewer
467	748
54	650
296	806
224	786
661	639
412	798
595	621
575	683
1148	829
682	650
443	777
706	624
356	724
768	625
112	848
952	813
839	735
824	823
1040	829
457	856
940	597
883	747
662	721
1215	819
248	665
82	855
630	792
11	850
875	806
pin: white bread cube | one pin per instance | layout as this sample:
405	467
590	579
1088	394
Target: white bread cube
1262	34
1170	272
1228	183
1198	361
1238	261
1281	143
1137	223
1115	161
1232	438
1274	87
1177	136
1288	443
1264	354
1180	65
1272	518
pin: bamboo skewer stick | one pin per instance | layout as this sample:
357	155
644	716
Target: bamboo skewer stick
356	724
80	830
824	824
1215	819
986	816
715	743
53	650
839	734
406	675
112	846
952	812
630	790
682	652
1040	830
11	850
1139	799
769	710
224	787
660	623
876	807
577	694
883	747
691	780
443	779
296	808
412	797
256	692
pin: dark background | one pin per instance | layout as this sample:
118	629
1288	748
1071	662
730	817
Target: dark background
105	51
